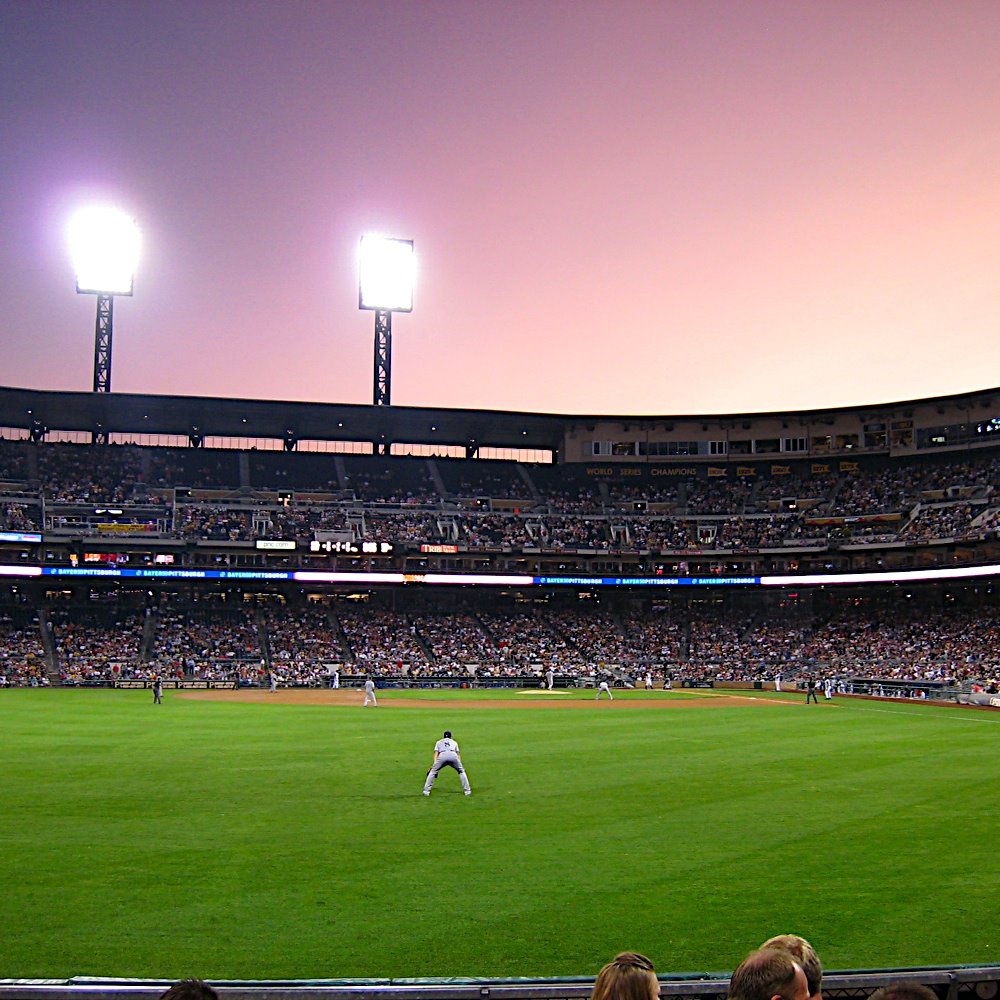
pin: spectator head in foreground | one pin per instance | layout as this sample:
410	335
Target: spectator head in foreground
803	953
628	976
769	974
190	989
906	990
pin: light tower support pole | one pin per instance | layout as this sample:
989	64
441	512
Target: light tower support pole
102	354
102	342
382	391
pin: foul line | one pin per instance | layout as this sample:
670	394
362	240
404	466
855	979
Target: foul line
955	716
703	693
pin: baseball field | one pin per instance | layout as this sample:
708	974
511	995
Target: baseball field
285	836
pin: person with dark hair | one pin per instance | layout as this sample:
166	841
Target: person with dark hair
768	974
803	953
446	755
190	989
907	989
629	976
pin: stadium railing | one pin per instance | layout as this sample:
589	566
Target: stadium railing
964	982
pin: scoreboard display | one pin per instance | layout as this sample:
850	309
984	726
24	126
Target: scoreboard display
357	548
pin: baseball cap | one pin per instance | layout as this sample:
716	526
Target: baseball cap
447	734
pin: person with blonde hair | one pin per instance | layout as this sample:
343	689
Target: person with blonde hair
803	953
629	976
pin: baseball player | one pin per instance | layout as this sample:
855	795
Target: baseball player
369	693
550	679
274	681
157	690
446	755
604	688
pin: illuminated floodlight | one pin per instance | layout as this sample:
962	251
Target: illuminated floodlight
386	272
104	247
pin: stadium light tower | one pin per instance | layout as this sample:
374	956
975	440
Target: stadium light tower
386	269
104	245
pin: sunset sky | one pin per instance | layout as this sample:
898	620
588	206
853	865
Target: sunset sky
618	207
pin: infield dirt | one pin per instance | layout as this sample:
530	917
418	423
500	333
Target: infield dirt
534	702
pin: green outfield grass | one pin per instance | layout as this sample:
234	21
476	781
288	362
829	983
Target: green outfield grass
273	841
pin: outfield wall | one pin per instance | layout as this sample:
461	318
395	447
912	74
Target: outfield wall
970	982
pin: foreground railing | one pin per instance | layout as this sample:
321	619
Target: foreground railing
967	982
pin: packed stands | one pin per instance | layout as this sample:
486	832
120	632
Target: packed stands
199	497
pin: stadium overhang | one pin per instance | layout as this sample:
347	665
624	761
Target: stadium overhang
206	416
125	416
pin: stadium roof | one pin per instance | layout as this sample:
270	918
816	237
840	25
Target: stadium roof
206	416
195	417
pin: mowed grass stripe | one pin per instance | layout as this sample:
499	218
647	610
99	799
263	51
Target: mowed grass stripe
273	841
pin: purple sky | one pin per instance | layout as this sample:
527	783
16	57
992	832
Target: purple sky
676	207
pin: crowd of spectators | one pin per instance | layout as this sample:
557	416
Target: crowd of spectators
97	643
203	495
458	643
198	496
22	651
13	462
84	474
941	521
208	645
302	645
383	643
20	515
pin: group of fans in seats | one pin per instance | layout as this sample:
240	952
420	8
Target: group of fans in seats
302	645
91	644
22	653
785	967
435	500
20	516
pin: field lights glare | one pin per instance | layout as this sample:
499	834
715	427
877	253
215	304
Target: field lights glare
386	271
104	247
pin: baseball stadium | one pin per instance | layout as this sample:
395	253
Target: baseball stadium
639	639
263	828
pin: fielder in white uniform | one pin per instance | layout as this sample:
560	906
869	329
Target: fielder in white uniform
446	755
603	688
369	693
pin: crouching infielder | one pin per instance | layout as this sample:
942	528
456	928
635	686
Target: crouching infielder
446	755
